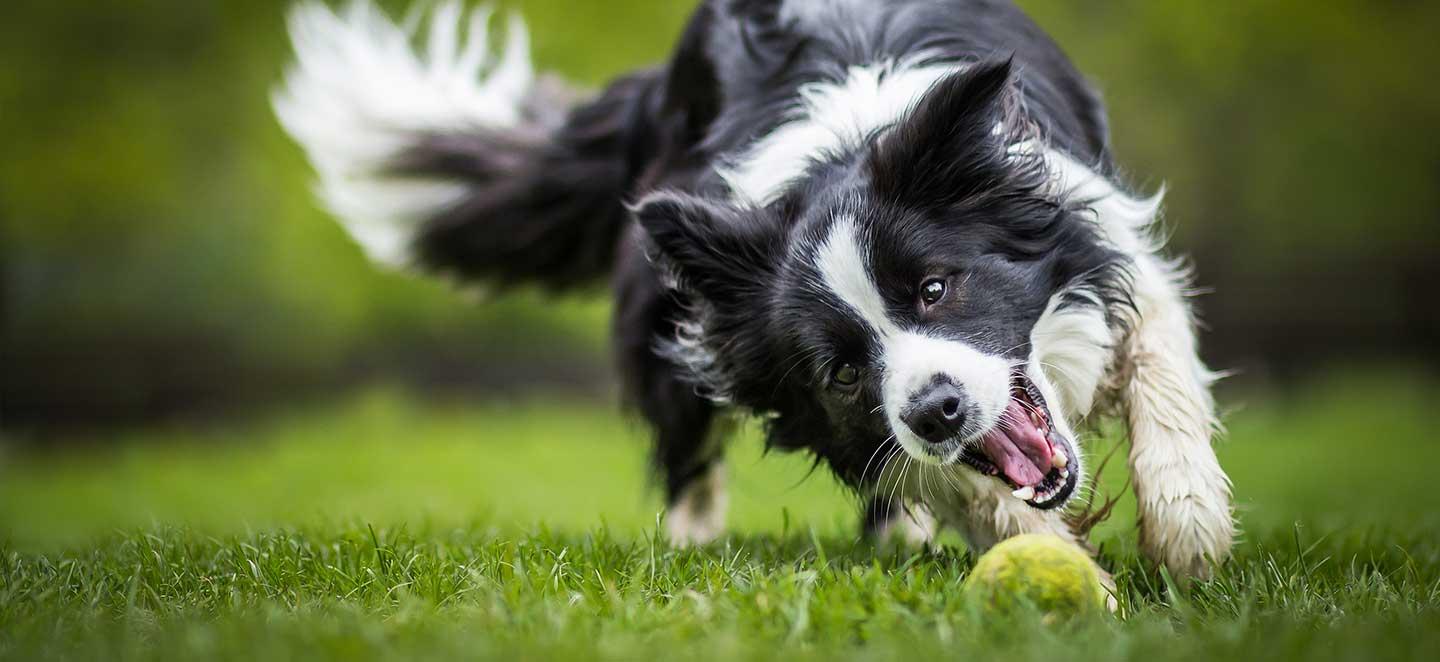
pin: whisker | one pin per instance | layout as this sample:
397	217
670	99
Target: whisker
905	477
877	450
893	481
885	466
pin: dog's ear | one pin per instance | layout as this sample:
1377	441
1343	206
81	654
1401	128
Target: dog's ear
953	144
721	252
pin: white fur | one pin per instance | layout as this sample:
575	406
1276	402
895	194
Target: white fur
980	507
359	94
688	349
914	526
814	12
1182	494
830	117
910	360
845	271
983	510
697	516
1074	347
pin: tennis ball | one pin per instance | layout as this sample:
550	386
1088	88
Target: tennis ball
1035	572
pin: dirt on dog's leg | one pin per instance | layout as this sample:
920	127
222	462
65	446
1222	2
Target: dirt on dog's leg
1182	494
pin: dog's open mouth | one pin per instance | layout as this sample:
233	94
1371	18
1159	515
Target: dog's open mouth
1026	451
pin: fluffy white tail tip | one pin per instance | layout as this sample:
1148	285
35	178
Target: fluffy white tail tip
360	93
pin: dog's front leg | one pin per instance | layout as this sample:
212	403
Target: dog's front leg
1182	495
887	519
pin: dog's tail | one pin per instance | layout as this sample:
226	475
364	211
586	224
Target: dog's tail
451	160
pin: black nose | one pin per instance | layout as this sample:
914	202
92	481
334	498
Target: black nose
937	413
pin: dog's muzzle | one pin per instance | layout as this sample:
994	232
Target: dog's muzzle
1026	451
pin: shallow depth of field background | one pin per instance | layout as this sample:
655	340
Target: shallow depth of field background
177	316
186	340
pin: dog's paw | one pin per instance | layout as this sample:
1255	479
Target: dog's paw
1185	523
697	515
682	531
912	528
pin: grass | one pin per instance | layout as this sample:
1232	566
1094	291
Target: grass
382	527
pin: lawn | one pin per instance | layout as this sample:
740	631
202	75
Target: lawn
381	525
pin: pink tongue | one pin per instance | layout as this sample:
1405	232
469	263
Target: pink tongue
1018	447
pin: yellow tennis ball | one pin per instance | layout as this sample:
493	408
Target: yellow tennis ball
1035	572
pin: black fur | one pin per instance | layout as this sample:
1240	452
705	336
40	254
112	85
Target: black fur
937	191
546	203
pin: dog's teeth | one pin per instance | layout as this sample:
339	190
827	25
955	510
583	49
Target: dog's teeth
1060	459
1025	493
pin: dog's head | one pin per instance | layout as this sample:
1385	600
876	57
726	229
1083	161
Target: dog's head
892	296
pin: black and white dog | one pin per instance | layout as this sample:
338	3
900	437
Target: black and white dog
893	230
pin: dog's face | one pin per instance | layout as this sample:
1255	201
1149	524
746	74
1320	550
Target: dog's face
891	299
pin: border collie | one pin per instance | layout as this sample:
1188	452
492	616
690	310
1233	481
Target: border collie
893	231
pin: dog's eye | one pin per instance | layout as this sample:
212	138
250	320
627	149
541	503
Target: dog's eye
931	291
845	374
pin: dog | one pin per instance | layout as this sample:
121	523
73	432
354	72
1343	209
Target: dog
893	231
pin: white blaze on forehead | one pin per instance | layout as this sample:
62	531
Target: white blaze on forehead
846	273
909	359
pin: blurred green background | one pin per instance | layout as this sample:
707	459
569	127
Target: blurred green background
161	257
166	277
190	348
